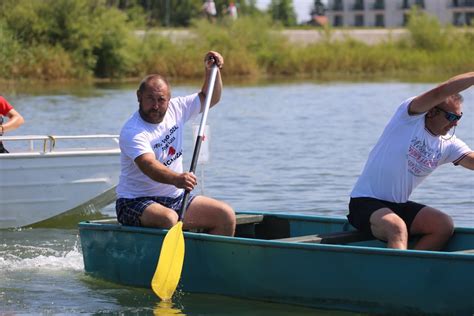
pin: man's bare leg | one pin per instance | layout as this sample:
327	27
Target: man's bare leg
388	226
157	215
215	216
435	228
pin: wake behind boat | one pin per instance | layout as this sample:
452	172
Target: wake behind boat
54	175
296	259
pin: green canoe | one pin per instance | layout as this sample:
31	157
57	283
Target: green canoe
305	260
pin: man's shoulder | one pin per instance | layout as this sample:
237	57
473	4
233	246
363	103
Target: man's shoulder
184	104
406	103
403	110
132	125
133	120
183	100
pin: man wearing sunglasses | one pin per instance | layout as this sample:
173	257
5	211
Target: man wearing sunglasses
414	143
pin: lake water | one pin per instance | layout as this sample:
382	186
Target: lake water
286	147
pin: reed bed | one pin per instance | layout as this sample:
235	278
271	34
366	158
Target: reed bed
42	48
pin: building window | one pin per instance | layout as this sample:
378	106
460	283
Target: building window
379	5
338	5
338	21
469	18
407	5
359	5
458	19
405	19
379	20
359	20
420	3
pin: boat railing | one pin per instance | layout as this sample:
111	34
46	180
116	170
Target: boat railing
49	142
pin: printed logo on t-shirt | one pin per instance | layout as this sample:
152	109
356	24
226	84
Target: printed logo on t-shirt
165	142
165	149
172	158
422	159
171	151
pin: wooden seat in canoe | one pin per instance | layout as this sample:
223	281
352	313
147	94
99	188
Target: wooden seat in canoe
331	238
244	223
466	251
242	219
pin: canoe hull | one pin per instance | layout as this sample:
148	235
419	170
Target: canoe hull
346	277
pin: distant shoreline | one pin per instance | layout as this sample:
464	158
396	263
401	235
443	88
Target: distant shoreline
312	36
367	36
304	37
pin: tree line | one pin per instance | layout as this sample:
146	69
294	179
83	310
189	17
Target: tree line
180	13
85	39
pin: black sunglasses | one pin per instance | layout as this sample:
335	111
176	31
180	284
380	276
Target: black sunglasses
450	116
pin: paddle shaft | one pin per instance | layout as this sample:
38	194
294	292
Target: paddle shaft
199	138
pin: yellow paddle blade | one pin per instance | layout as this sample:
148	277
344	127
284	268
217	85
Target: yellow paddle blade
170	263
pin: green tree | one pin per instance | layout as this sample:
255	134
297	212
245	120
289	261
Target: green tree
318	8
427	32
93	35
171	12
176	13
283	11
248	7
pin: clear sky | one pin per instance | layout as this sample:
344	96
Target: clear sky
302	8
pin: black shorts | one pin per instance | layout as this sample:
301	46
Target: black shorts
361	208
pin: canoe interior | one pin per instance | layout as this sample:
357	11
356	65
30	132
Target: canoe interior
312	229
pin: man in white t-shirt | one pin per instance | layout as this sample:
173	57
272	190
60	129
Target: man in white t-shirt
152	182
209	8
414	143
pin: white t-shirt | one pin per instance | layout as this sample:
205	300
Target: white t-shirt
210	7
406	153
164	140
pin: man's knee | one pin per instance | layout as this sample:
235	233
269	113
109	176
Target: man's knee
226	213
432	221
446	225
435	227
169	219
388	225
153	217
225	220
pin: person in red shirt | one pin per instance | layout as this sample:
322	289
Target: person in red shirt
15	120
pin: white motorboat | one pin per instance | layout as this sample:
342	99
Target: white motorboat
67	172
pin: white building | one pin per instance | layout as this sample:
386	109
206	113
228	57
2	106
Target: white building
393	13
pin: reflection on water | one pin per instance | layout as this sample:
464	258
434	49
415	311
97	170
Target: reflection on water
164	308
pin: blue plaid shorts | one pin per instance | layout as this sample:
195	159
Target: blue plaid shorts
129	210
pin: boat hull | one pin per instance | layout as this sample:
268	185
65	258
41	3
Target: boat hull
363	276
44	185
